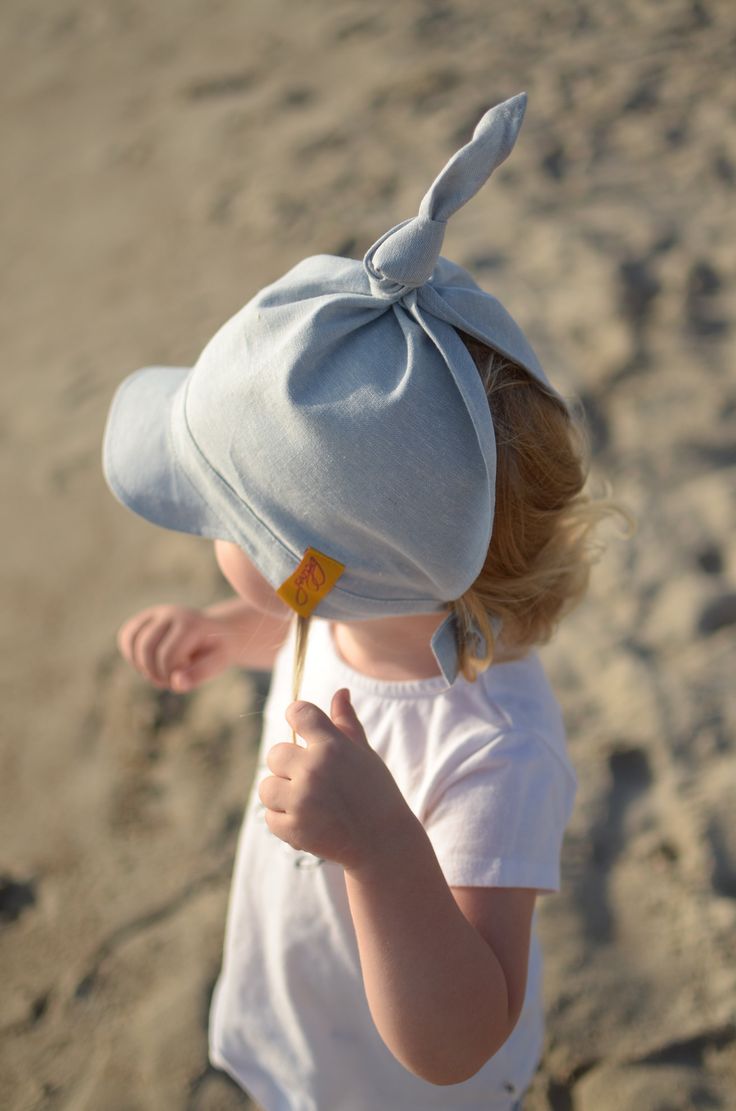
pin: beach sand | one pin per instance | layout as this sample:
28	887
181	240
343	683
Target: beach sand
160	163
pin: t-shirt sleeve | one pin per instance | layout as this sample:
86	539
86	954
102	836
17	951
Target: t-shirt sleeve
498	818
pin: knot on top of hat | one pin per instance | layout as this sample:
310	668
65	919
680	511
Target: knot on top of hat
405	256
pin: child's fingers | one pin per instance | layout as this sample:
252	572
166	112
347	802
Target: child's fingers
128	632
309	721
177	649
312	724
345	718
144	645
173	647
282	826
274	793
208	663
283	758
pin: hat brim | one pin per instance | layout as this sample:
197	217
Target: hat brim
139	444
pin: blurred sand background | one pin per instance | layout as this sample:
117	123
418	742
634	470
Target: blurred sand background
162	161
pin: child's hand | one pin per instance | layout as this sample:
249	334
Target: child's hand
175	647
335	798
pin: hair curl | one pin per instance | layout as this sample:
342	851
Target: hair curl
542	548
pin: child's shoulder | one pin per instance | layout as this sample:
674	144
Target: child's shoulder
505	728
508	722
514	697
521	683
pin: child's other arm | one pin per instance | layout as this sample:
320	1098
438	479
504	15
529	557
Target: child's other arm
178	648
256	636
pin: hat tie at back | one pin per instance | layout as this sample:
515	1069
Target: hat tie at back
405	257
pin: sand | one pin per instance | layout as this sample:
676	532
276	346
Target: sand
161	162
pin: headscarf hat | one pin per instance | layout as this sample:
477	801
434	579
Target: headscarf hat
336	428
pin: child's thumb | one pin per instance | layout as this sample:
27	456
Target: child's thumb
345	718
204	667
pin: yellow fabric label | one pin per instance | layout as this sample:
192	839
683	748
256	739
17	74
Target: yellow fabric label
313	579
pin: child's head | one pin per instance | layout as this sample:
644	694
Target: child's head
338	431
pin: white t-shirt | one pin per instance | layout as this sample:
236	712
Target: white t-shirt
483	766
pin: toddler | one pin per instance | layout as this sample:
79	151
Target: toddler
394	491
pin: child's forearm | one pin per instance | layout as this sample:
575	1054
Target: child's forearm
436	989
257	637
233	609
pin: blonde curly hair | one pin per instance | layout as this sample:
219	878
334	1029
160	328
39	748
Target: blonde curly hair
542	546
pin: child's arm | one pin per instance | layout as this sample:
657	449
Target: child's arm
178	648
256	636
444	970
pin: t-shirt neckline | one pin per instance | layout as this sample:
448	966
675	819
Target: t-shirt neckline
384	688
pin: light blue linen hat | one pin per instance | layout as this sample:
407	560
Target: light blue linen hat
339	411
